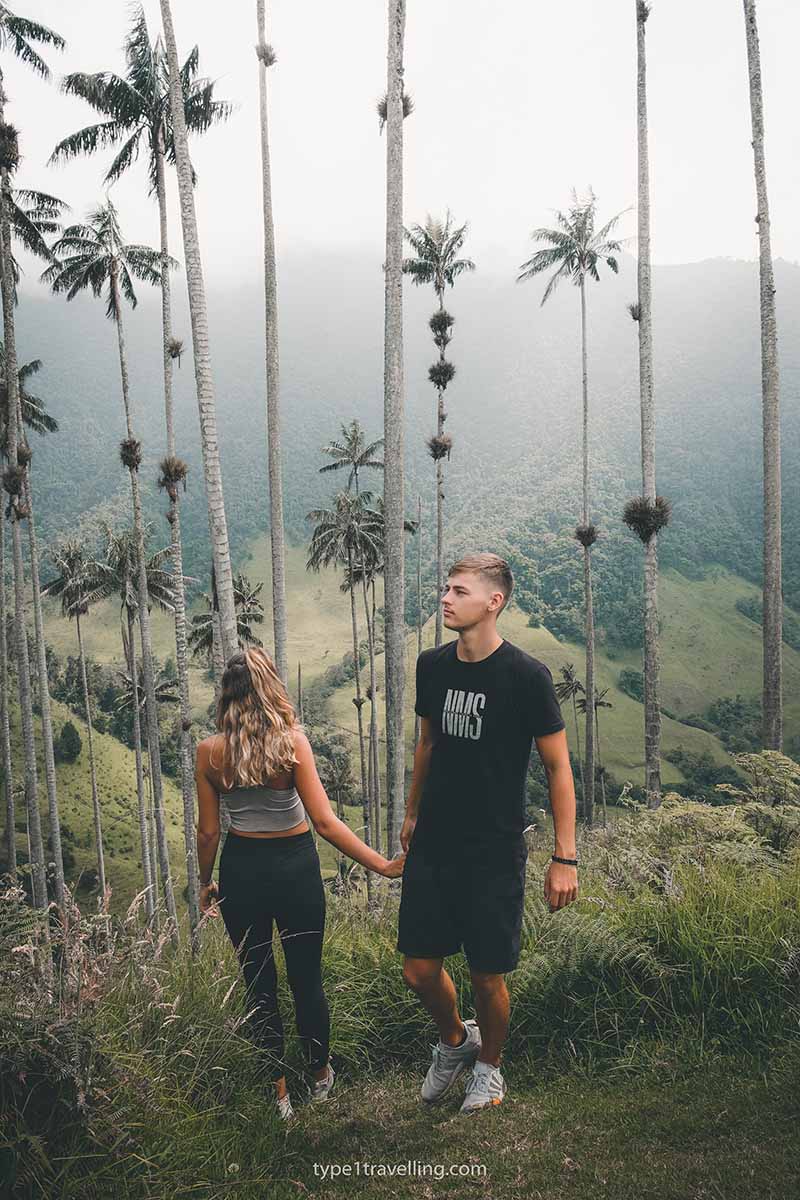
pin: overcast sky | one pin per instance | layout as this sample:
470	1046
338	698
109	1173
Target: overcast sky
515	103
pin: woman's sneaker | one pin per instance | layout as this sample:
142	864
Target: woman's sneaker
449	1062
285	1110
321	1088
485	1088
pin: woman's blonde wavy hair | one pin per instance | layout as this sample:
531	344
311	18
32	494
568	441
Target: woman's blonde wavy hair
256	718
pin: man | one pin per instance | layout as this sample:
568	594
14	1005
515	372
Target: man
481	700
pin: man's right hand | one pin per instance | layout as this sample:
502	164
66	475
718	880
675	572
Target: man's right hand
406	832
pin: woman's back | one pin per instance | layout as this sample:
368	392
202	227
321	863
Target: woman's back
271	807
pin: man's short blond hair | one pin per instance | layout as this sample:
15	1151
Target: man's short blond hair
491	567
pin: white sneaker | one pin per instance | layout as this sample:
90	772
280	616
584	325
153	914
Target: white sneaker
485	1087
449	1062
321	1087
285	1110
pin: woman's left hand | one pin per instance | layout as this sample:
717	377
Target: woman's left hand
208	897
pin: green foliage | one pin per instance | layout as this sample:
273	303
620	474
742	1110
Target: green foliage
774	779
702	773
67	746
632	684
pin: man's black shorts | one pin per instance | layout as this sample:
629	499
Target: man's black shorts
476	899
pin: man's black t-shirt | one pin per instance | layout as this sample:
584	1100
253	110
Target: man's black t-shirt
484	715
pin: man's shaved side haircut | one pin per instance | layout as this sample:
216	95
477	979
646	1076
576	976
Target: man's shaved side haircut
491	567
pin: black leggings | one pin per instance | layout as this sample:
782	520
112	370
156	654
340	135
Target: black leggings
266	879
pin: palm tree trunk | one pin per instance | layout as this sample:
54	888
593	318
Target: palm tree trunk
376	738
38	874
652	709
365	806
44	702
150	884
600	769
417	718
98	828
279	617
578	739
393	425
5	728
772	691
588	795
151	708
439	508
181	653
218	528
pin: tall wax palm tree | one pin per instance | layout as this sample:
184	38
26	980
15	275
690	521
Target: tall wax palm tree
95	255
266	59
352	452
393	430
198	312
249	612
372	564
43	681
14	483
335	539
364	572
18	36
138	109
569	688
30	217
599	702
120	560
81	581
31	413
436	247
417	719
648	513
5	728
772	689
575	251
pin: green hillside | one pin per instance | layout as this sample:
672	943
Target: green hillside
709	649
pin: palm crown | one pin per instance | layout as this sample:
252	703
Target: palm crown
436	246
91	254
137	106
352	451
575	247
18	33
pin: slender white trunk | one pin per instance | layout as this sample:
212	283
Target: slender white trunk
652	709
98	827
772	690
279	618
44	703
181	652
5	728
417	718
588	794
151	707
218	528
394	446
365	805
38	876
149	878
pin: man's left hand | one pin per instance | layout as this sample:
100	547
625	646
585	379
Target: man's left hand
560	885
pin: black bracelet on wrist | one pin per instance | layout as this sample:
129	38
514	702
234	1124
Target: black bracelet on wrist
570	862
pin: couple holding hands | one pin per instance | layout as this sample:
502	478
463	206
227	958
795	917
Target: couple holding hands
482	701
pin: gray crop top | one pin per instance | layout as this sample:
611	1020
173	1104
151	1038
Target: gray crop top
264	809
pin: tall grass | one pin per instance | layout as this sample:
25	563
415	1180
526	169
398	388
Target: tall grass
136	1071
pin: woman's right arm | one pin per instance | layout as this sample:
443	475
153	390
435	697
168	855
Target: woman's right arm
327	824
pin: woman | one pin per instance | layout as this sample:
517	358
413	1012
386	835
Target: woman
269	870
